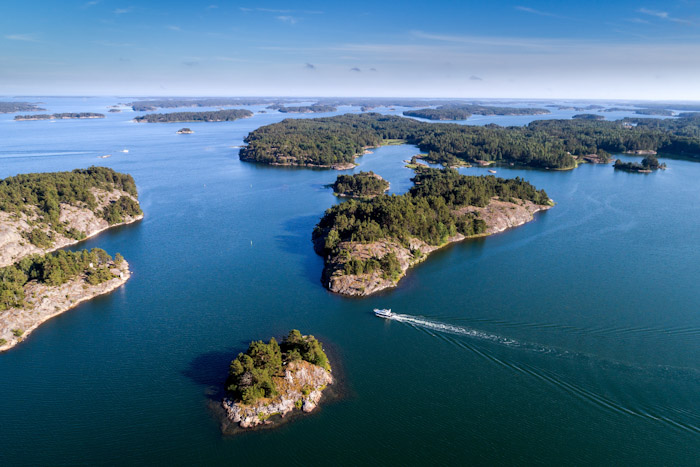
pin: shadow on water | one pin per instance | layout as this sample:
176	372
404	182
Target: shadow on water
297	240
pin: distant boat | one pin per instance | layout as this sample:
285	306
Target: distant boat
124	150
492	171
383	313
105	156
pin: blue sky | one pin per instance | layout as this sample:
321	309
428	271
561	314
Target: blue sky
594	49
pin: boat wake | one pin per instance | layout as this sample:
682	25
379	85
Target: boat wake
688	422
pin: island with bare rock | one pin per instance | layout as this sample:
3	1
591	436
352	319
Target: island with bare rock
185	131
37	288
42	212
368	245
271	380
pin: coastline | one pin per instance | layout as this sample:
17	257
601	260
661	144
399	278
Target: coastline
14	247
49	302
499	216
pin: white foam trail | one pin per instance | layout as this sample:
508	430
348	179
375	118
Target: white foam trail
464	331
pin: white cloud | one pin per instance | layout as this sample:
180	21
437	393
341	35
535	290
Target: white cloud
663	15
22	37
287	19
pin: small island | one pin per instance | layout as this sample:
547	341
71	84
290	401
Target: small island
206	116
185	131
648	165
588	117
41	212
61	116
272	379
360	185
368	245
37	288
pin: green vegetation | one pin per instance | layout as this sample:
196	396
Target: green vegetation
2	342
455	111
588	117
251	373
61	116
12	107
360	185
17	332
428	211
648	164
541	144
52	269
43	193
206	116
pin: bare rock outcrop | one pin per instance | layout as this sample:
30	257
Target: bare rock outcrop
43	302
301	387
498	215
14	227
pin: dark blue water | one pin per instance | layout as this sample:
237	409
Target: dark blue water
572	339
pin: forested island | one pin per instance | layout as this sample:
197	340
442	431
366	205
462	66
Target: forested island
185	131
334	142
360	185
368	245
272	379
37	288
205	116
588	117
464	111
60	116
41	212
12	107
304	109
648	164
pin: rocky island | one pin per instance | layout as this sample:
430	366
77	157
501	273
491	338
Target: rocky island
42	212
271	380
360	185
37	288
369	245
185	131
61	116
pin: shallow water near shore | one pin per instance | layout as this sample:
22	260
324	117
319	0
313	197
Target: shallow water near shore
572	339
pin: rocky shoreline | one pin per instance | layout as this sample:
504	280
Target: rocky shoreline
498	215
300	388
45	302
14	228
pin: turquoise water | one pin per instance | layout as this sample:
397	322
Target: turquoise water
572	339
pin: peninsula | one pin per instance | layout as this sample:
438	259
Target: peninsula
42	212
335	142
272	379
204	116
369	245
61	116
38	288
360	185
